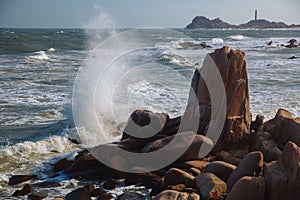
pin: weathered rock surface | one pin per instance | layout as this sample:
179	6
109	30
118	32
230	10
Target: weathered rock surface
276	182
190	152
175	195
232	67
248	188
210	186
221	169
283	176
284	127
263	141
176	176
251	165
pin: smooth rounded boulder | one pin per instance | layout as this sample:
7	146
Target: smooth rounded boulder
251	165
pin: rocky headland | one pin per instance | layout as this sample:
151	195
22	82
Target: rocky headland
203	22
250	160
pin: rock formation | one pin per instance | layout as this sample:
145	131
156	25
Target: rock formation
232	68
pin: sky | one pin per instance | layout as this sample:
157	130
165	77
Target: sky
139	13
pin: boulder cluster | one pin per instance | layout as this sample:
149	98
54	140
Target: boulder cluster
250	160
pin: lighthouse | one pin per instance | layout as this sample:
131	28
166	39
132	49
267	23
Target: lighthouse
255	15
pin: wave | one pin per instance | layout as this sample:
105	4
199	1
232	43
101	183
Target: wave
40	55
173	59
217	40
52	49
236	37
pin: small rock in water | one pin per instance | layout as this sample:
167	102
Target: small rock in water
25	190
111	184
16	179
83	193
62	164
293	57
131	196
47	184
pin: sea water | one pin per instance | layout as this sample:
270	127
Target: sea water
38	68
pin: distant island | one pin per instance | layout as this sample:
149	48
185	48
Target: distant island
203	22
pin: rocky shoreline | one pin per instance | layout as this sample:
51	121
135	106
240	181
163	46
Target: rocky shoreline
250	160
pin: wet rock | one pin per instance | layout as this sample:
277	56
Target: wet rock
176	176
175	195
157	188
144	125
251	165
83	193
221	169
284	128
97	192
47	184
36	196
130	145
293	57
248	188
25	190
105	196
111	184
131	196
62	164
16	179
210	186
232	67
88	167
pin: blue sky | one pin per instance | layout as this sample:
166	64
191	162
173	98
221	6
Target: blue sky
139	13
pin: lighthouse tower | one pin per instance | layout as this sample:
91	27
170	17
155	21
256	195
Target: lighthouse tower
255	15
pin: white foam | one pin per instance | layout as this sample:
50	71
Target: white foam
52	49
217	40
236	37
40	55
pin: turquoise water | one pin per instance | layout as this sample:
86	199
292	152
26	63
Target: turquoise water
38	68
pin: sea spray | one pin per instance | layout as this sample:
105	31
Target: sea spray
98	28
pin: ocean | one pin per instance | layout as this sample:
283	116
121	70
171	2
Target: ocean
38	68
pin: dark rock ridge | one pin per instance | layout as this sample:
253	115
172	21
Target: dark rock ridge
203	22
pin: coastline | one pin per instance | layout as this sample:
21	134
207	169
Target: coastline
99	184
